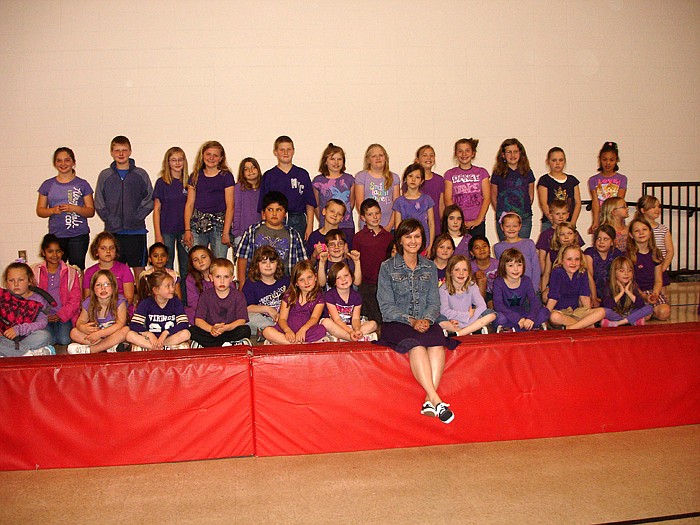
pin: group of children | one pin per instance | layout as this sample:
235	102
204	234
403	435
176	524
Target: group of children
303	285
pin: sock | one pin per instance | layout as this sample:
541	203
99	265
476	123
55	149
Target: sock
640	322
608	324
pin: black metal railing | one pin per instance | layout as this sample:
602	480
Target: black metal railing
680	212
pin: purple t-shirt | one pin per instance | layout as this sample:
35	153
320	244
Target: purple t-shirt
567	291
415	209
435	187
259	293
172	199
121	271
66	224
295	185
491	272
544	241
375	189
345	308
214	309
514	193
104	322
466	189
527	248
341	189
606	187
645	271
245	211
210	192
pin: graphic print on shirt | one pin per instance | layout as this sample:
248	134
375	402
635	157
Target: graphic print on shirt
280	244
73	220
466	190
345	312
378	193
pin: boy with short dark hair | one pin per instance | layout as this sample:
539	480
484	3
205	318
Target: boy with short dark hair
559	211
333	213
372	242
294	182
273	232
221	311
123	200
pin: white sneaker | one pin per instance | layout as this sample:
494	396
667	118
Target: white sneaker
75	348
227	343
243	342
44	350
369	337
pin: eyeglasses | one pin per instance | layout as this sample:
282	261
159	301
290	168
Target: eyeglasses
336	244
621	207
103	285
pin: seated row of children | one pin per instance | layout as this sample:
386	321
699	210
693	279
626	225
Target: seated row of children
94	333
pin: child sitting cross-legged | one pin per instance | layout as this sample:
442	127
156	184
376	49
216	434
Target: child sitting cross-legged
221	315
159	322
461	301
344	304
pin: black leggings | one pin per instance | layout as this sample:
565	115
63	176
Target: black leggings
205	338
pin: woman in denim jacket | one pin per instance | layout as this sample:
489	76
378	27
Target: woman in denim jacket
407	293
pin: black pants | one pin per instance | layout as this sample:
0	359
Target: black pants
74	249
370	306
205	338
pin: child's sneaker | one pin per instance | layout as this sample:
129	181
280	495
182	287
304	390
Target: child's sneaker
75	348
44	350
605	323
543	326
195	344
484	329
369	337
444	413
428	409
500	329
136	348
243	342
179	346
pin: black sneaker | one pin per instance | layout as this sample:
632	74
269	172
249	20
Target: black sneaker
428	409
444	413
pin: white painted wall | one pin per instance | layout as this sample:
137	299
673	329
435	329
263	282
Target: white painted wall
402	73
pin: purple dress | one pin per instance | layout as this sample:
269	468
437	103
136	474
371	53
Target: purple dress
300	315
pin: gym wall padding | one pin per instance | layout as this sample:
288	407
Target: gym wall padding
119	409
116	409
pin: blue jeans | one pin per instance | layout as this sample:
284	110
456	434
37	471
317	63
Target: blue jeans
525	230
298	222
15	348
478	230
212	239
60	332
174	243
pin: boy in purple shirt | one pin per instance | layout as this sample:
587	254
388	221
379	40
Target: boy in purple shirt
221	312
294	182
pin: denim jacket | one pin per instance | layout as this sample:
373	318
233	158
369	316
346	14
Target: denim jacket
403	293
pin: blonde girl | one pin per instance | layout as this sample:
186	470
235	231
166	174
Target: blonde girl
599	257
649	207
513	185
159	322
334	183
434	184
210	205
461	301
557	185
246	194
647	259
378	182
468	187
608	182
564	233
443	249
169	199
614	212
23	318
414	204
622	301
301	309
569	291
102	322
344	305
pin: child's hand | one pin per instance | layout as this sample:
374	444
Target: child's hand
290	336
10	333
480	275
93	338
301	335
188	239
323	257
653	298
455	324
354	255
90	328
595	302
319	248
160	342
527	324
272	313
217	329
471	311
